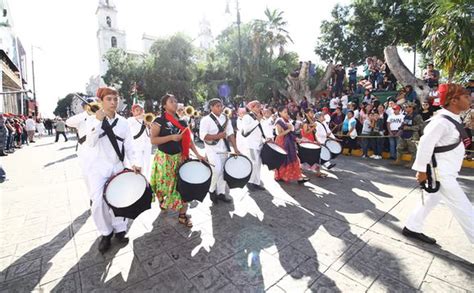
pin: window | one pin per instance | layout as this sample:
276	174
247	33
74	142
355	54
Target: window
113	41
109	21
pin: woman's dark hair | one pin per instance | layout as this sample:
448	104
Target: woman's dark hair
281	109
350	111
164	100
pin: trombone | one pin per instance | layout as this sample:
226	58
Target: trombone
189	111
93	107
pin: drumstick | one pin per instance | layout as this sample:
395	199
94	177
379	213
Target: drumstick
205	161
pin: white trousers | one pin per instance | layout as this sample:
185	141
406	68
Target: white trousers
218	183
144	158
256	165
454	197
104	218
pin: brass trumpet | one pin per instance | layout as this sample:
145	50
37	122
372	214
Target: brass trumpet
227	112
189	111
93	107
196	113
149	118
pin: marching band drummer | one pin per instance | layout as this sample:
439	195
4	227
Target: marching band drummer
444	141
109	140
79	121
216	131
323	132
253	131
308	134
141	139
174	141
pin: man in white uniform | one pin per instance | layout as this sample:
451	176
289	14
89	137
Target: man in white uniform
255	137
110	140
323	132
443	136
141	139
79	121
216	146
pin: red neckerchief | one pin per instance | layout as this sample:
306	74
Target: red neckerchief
186	140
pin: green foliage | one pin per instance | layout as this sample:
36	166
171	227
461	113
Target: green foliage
62	106
450	37
193	75
365	27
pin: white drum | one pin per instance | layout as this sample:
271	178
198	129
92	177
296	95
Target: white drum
334	147
237	171
128	194
194	180
325	155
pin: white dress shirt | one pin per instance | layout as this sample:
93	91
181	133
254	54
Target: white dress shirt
255	138
79	121
268	125
323	132
105	157
208	126
440	132
143	141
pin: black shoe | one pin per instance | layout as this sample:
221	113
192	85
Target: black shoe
104	243
121	237
255	186
420	236
301	181
224	198
2	154
330	166
213	197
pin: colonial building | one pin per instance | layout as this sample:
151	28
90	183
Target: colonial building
13	98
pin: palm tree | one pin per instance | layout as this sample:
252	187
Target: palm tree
450	35
276	33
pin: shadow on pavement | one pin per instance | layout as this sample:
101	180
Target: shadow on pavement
25	273
60	160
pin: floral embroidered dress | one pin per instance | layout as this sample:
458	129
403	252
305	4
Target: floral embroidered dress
165	166
291	168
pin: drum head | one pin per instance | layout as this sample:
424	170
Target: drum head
334	146
125	189
325	154
277	148
238	167
309	145
194	172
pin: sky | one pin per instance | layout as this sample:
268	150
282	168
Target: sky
63	32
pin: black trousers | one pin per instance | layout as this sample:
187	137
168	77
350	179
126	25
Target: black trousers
60	132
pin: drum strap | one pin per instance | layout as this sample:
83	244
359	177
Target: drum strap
113	138
324	126
463	137
221	129
82	140
142	129
251	130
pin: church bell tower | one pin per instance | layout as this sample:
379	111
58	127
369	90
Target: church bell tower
108	34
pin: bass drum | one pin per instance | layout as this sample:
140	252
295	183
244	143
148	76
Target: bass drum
325	155
334	147
309	153
273	155
237	171
194	180
128	194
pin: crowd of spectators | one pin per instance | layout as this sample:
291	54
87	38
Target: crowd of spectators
16	131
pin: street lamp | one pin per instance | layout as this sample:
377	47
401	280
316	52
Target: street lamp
227	10
33	76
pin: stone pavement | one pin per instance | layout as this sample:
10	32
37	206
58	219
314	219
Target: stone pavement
336	234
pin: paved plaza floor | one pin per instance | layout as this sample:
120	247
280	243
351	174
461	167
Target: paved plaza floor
338	234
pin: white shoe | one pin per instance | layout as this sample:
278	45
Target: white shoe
373	157
378	157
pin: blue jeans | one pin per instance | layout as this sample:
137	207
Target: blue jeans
377	145
393	146
364	143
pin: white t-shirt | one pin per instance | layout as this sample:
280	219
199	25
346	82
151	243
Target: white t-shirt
334	103
344	101
389	111
395	121
30	124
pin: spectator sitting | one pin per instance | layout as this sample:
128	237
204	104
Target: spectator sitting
410	94
431	76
